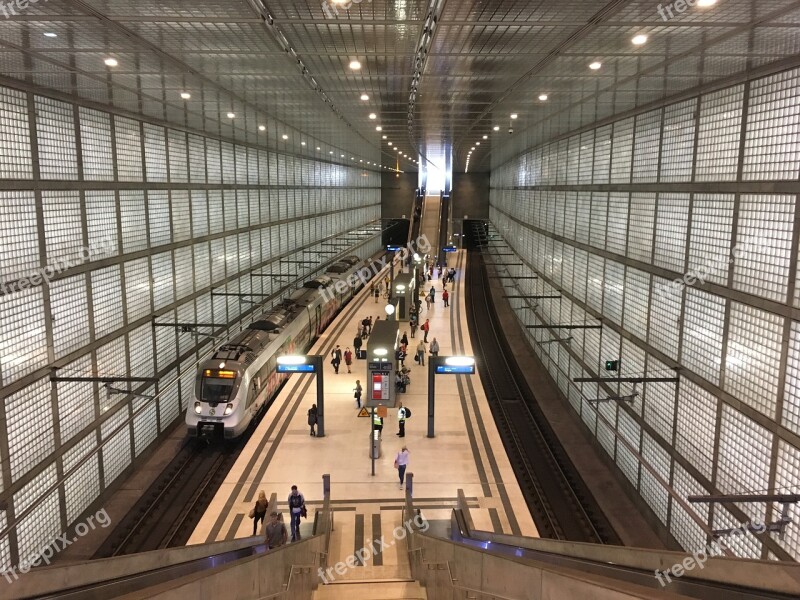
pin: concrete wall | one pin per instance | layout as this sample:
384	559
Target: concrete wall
470	195
397	194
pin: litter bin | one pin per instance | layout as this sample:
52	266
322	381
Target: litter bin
375	444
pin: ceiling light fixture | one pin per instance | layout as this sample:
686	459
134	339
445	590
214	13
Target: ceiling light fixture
185	95
496	128
640	39
384	137
486	137
111	62
595	65
373	116
706	3
50	34
231	115
543	97
379	128
284	137
302	143
355	65
514	115
318	147
364	97
477	143
262	127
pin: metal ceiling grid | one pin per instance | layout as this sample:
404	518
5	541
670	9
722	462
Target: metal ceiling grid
677	57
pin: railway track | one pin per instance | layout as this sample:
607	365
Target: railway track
560	503
167	514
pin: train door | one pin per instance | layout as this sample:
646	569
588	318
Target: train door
318	319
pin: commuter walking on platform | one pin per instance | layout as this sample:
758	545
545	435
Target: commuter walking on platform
426	327
401	463
413	326
337	358
421	354
434	348
376	292
312	418
404	339
433	294
360	330
446	298
259	511
357	393
276	532
348	358
297	506
401	421
428	301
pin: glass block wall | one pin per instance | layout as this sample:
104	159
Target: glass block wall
112	229
610	217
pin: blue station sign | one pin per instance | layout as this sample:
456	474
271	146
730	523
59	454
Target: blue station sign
295	368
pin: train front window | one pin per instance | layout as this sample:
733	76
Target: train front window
216	390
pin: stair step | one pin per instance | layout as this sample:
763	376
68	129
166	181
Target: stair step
371	590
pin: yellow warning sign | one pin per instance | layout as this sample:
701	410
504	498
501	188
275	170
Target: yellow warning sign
363	412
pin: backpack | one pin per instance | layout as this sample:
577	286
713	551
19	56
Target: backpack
407	411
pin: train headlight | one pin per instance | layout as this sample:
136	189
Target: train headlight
228	409
198	408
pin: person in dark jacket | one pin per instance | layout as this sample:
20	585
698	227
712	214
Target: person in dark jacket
312	419
404	339
260	511
337	358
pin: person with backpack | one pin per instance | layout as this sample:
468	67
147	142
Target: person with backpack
402	414
297	506
337	358
357	343
348	358
357	393
259	511
426	327
312	418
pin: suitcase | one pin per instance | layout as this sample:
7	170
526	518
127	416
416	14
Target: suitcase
361	355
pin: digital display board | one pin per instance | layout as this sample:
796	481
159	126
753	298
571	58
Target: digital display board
295	368
455	369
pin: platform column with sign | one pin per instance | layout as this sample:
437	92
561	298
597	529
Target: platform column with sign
308	364
444	365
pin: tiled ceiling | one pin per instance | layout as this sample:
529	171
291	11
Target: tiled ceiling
478	62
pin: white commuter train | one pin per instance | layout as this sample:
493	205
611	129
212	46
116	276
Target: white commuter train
240	378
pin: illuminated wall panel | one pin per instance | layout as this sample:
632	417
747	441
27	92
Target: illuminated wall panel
133	221
683	240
